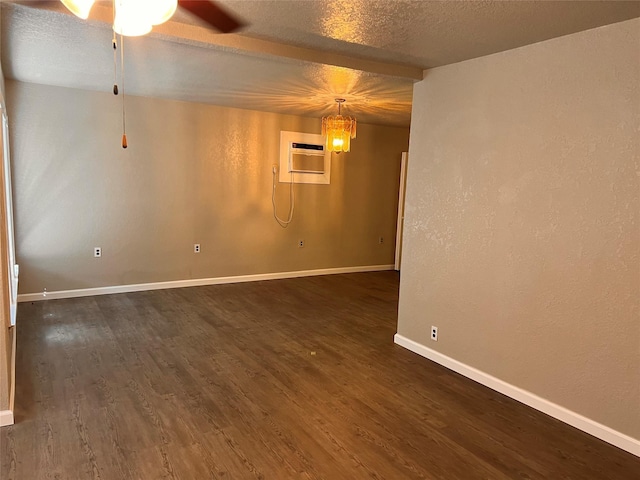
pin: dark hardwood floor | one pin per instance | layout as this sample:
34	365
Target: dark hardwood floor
287	379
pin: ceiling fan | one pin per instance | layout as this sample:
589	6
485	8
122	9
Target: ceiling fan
137	17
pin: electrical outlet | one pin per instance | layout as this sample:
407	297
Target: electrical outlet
381	240
97	252
434	333
300	243
196	248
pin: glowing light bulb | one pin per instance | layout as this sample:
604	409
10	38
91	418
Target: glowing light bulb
133	17
130	18
136	17
159	11
80	8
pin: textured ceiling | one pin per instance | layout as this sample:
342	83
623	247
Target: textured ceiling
423	33
295	56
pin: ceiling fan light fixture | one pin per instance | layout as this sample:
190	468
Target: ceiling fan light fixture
131	18
80	8
130	28
137	17
161	11
338	130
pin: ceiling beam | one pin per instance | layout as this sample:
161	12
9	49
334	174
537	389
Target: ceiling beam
197	35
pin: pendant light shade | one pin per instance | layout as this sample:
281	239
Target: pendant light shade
338	130
80	8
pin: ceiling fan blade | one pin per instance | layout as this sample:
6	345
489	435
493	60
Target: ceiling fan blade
213	14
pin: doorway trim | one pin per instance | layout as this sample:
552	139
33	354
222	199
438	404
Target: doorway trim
401	198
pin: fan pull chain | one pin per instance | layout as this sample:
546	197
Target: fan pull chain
124	123
115	65
115	55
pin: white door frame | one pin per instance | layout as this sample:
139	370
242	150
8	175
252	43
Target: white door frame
401	197
11	246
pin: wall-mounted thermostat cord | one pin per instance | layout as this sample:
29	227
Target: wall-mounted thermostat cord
292	199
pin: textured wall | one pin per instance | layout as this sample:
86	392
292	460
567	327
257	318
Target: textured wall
522	234
193	173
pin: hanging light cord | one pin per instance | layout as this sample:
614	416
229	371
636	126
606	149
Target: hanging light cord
292	199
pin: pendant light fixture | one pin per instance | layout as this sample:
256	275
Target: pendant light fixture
338	130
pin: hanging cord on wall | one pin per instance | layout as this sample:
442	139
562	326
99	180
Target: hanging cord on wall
124	123
292	199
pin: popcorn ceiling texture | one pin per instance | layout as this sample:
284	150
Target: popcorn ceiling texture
522	233
338	39
61	50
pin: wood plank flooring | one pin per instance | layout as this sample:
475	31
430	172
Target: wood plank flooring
286	379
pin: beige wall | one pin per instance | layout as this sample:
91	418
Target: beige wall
522	228
193	173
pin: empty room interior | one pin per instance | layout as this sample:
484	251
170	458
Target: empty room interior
320	239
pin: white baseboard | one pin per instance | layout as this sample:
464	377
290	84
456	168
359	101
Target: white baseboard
198	282
6	418
574	419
